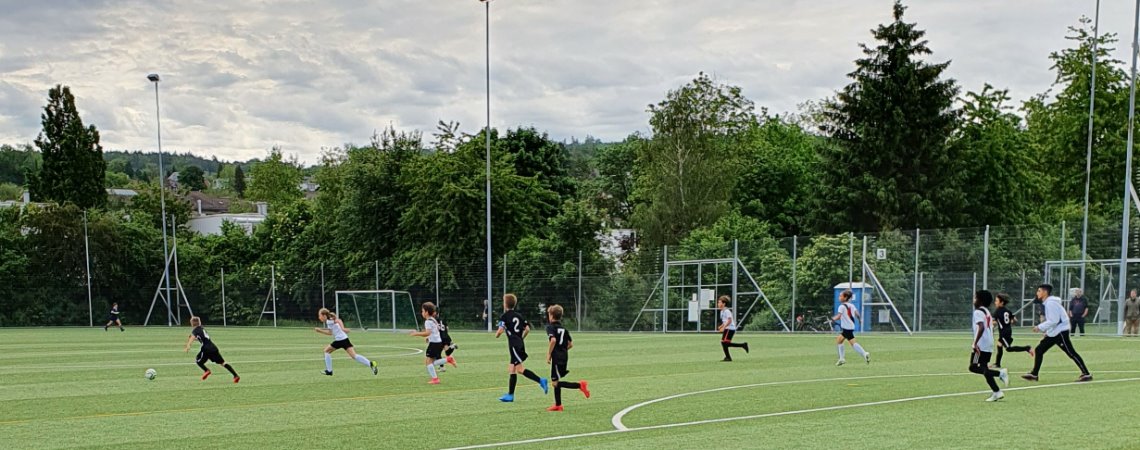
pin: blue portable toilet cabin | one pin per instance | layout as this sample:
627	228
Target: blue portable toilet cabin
862	294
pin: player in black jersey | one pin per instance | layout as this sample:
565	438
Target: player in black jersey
209	351
448	345
1004	320
113	318
558	356
517	328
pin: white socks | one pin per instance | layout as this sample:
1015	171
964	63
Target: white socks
841	351
361	359
431	370
328	362
859	348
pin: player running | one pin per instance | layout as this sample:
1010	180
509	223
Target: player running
208	352
335	327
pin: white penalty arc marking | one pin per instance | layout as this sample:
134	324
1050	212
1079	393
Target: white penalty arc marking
786	413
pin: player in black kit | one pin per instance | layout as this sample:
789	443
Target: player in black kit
1004	320
558	356
209	351
516	327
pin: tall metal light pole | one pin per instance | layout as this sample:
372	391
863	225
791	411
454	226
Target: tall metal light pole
1088	150
1123	282
154	78
487	133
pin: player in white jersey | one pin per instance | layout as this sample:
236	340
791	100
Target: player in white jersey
727	328
846	315
984	345
335	328
434	354
1056	329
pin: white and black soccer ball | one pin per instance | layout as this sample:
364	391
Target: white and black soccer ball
151	374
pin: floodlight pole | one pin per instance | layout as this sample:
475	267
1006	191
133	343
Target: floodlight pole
1088	150
1123	281
154	78
487	133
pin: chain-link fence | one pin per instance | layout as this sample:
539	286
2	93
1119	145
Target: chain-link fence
70	269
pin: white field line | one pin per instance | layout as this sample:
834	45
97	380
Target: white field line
64	366
777	414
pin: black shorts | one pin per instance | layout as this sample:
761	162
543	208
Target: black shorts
847	334
1006	341
727	335
558	370
435	350
112	318
518	354
980	359
210	354
341	344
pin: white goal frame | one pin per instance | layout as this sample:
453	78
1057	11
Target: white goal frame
390	295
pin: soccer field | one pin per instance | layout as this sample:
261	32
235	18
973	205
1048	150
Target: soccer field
85	388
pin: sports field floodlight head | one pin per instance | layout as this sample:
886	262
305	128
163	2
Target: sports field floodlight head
153	77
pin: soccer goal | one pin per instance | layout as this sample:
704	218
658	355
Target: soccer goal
378	310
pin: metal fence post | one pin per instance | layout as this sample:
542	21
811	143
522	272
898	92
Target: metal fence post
579	307
914	312
795	256
223	296
851	259
986	260
87	257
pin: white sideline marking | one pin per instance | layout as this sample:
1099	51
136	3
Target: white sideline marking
782	413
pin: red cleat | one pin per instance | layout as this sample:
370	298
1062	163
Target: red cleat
237	379
585	390
206	375
434	381
451	361
555	408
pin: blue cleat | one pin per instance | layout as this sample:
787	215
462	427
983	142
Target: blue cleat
507	398
545	385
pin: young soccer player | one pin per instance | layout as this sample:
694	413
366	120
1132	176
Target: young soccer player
113	318
434	353
846	315
1056	329
335	327
517	329
208	352
449	346
558	356
984	345
727	328
1004	320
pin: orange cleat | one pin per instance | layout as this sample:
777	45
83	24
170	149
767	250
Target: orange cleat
451	360
206	375
585	390
555	408
434	381
236	379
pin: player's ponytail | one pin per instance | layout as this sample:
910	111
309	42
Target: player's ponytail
329	314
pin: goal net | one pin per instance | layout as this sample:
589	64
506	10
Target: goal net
378	310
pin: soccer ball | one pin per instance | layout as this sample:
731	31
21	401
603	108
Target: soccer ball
150	374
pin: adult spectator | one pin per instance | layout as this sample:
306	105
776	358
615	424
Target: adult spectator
1078	309
1132	314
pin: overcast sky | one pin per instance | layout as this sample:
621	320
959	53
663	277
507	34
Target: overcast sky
239	77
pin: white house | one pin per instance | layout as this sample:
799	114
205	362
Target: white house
212	224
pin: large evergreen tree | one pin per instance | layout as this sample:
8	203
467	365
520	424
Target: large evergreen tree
73	165
890	163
